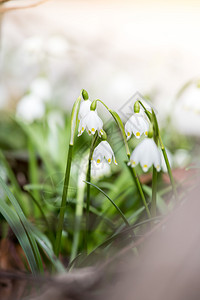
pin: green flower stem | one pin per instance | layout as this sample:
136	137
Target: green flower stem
149	115
74	121
63	203
168	167
139	187
88	179
154	193
78	212
118	120
154	177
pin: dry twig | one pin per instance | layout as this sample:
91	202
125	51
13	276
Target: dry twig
6	9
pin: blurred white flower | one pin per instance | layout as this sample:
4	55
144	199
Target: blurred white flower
186	112
103	150
182	158
33	49
190	99
92	123
137	125
41	88
30	108
57	46
100	170
55	119
147	154
163	163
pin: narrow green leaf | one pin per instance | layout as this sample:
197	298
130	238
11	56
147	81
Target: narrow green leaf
113	203
25	223
18	229
45	244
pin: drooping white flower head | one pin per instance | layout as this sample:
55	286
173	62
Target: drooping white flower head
84	109
137	125
103	151
91	122
147	154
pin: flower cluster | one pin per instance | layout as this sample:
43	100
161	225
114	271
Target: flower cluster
146	153
90	121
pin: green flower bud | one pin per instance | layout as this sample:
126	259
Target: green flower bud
93	106
137	107
150	133
104	135
85	94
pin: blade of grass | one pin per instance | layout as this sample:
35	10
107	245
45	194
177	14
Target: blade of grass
14	222
33	172
11	175
113	203
45	244
24	222
118	235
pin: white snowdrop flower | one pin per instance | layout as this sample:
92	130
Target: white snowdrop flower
41	88
163	163
137	125
84	109
30	108
103	150
147	154
91	122
182	158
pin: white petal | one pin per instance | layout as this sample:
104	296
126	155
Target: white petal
147	154
100	170
137	125
93	122
84	109
104	150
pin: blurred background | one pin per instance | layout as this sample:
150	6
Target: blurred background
115	50
111	48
